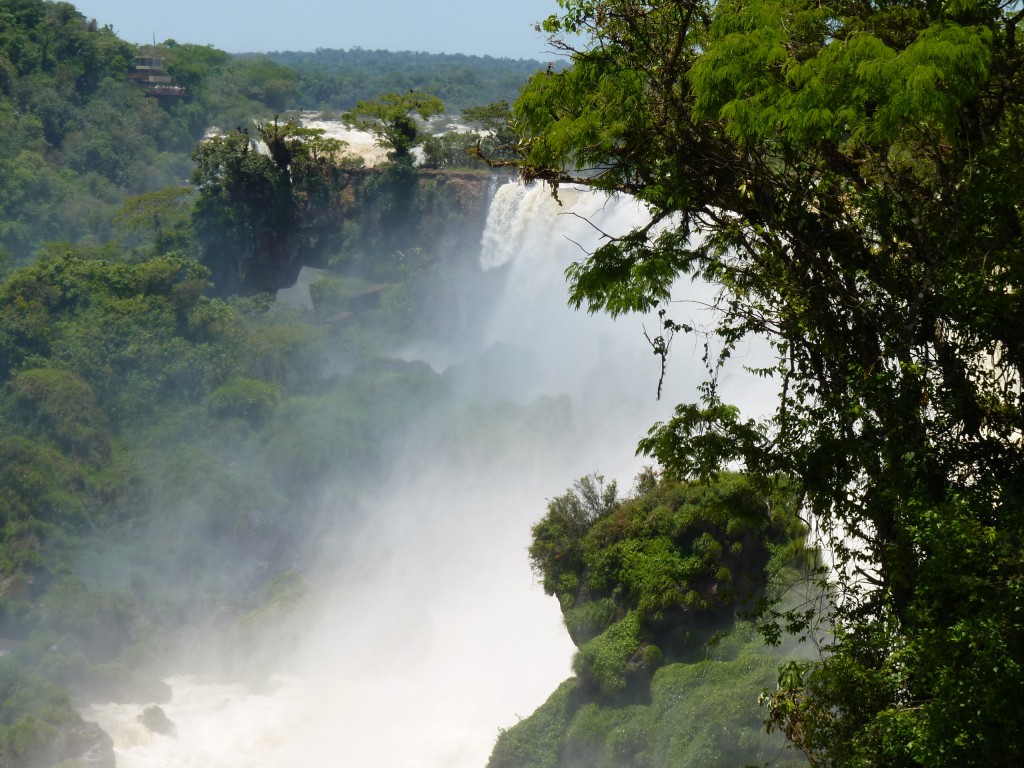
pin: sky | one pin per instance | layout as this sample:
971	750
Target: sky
499	28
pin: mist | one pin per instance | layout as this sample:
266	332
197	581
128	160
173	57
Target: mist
427	631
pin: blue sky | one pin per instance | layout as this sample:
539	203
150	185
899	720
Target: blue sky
483	27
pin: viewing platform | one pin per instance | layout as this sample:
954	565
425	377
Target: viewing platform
149	73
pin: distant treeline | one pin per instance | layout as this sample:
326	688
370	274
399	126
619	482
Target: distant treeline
79	136
336	79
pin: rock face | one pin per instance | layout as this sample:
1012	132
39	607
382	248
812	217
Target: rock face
154	718
85	745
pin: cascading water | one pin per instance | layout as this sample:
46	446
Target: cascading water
433	633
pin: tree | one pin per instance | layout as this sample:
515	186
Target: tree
496	121
253	208
245	217
161	219
847	174
392	119
649	587
452	149
78	134
678	558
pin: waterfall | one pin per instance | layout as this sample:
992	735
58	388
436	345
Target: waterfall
434	633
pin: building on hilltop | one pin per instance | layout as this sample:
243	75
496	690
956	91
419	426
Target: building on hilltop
148	71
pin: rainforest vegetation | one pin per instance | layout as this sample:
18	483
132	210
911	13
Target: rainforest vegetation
650	587
80	136
847	173
166	432
337	79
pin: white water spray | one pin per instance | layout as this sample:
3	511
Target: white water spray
434	634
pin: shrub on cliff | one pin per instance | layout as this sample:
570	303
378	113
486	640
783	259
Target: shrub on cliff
655	576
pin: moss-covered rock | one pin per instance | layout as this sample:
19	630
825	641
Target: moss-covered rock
657	575
650	588
696	715
154	718
39	726
616	656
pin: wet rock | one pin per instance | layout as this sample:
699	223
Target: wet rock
85	745
154	718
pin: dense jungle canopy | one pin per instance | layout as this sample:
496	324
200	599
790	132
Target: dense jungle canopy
80	135
848	174
164	435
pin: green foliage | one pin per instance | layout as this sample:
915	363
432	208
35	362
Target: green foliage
556	552
845	173
28	741
316	438
59	406
337	79
608	659
449	150
589	619
499	141
31	714
692	715
18	690
249	399
277	619
259	79
98	620
41	484
255	211
80	136
850	702
655	577
392	117
246	215
160	221
63	170
331	295
282	350
676	560
136	334
107	356
534	742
